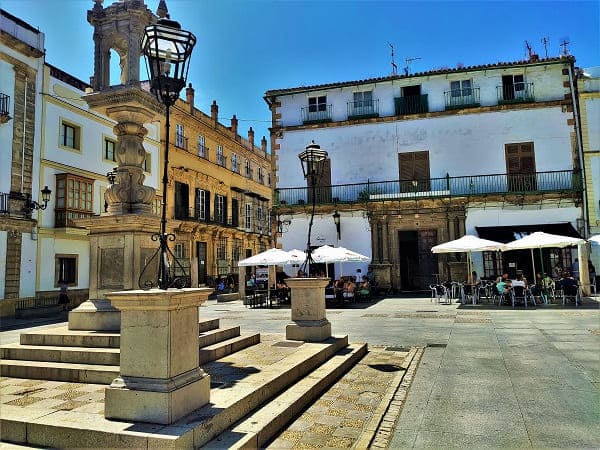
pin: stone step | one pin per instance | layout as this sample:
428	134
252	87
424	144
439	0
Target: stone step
63	337
243	382
76	355
59	371
256	429
219	335
227	347
208	324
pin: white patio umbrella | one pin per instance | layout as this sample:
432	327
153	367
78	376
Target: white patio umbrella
468	244
541	240
595	239
271	257
328	254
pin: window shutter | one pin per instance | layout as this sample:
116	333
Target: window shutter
234	212
207	206
421	171
224	210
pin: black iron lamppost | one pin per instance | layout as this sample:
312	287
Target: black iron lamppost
336	221
31	205
167	49
312	167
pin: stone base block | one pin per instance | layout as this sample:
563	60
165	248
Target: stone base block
161	403
95	315
308	330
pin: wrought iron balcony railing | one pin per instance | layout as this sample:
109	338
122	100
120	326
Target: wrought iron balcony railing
181	141
4	203
462	98
4	104
203	151
363	109
515	93
316	114
221	160
476	185
411	104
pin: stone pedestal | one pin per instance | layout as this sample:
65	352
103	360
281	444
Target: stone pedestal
120	247
160	379
308	310
383	274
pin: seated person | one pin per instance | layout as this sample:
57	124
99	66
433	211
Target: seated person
520	281
503	286
349	288
568	284
473	279
365	288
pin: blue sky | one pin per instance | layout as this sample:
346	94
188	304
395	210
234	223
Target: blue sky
246	47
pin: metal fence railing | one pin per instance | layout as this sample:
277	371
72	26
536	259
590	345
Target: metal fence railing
475	185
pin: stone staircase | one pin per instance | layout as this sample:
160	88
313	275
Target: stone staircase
60	354
255	390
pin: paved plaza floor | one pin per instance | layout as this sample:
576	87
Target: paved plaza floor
488	377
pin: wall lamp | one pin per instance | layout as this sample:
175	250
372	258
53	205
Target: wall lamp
336	220
32	205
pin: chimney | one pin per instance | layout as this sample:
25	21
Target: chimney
251	136
234	124
263	144
189	97
214	111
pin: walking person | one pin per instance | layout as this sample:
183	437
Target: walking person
63	298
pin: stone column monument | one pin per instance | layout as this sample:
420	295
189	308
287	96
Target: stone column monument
310	323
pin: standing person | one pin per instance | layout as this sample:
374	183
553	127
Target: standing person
359	276
575	269
63	298
558	270
370	275
592	271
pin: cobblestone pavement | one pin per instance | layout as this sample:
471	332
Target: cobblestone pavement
363	404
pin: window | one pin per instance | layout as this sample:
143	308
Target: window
322	183
182	194
109	150
222	248
220	209
460	88
317	103
520	166
70	135
259	218
492	264
179	137
202	150
220	157
202	204
248	169
248	216
74	193
362	99
236	252
235	219
514	88
179	251
148	163
261	175
157	206
65	269
234	163
414	171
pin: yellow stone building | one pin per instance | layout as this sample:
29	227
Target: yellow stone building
219	193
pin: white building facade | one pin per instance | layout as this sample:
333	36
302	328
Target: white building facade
417	160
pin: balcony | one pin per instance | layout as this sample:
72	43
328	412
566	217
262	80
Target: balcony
203	151
411	104
462	98
249	173
564	181
4	108
181	141
194	215
64	218
316	114
4	203
515	93
221	160
363	109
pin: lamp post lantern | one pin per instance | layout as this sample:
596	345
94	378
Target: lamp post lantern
167	49
32	205
336	221
311	159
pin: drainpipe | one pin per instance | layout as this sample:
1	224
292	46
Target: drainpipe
24	131
582	249
579	148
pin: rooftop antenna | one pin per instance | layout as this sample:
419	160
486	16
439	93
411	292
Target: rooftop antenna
394	66
408	61
545	42
529	49
564	43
